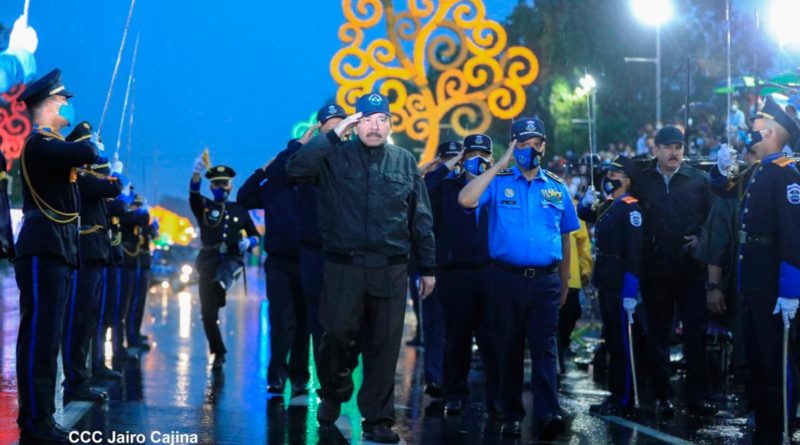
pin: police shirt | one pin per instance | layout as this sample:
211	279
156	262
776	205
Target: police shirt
527	218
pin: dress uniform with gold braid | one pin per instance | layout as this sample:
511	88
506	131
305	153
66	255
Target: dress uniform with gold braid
114	295
80	322
224	228
147	233
134	222
47	253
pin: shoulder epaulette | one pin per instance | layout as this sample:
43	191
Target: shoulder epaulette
554	176
783	162
505	172
630	200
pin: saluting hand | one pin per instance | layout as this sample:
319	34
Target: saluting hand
348	123
451	163
309	133
505	161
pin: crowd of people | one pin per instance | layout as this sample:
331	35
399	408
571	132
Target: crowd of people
500	249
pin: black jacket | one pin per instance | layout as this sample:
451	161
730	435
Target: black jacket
50	196
133	223
221	227
373	203
670	214
115	209
270	190
94	236
461	235
6	233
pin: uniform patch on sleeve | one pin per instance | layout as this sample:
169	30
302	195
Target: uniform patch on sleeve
793	193
636	218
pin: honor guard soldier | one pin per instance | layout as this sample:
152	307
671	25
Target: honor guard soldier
769	265
81	318
6	233
147	233
47	250
269	188
531	216
675	199
227	232
462	260
373	213
134	223
618	240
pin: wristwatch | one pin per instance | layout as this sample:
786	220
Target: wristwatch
711	286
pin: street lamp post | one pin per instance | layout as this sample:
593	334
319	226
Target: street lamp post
588	87
653	13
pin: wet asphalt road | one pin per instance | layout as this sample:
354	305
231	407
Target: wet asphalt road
172	394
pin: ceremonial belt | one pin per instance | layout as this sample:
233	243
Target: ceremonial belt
745	238
370	260
36	213
527	272
88	230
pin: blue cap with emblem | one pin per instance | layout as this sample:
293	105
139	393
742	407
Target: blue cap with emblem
526	128
372	103
329	112
448	149
669	135
46	86
772	111
478	142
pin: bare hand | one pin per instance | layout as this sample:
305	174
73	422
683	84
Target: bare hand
692	242
430	166
451	163
348	123
715	301
426	285
309	133
508	155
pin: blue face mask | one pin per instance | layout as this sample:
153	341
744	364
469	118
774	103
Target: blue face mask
67	111
527	158
610	185
476	166
220	194
751	138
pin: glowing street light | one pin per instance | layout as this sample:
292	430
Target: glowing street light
653	13
782	17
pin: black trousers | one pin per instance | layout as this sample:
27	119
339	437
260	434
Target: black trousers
130	289
108	314
620	376
568	317
527	308
138	303
311	262
80	325
764	343
44	283
288	320
371	301
468	312
212	295
662	295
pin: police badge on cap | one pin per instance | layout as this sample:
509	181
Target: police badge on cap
329	112
526	128
372	103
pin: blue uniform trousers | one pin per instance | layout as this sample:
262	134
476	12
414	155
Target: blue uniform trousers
80	324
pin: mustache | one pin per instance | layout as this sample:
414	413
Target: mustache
377	135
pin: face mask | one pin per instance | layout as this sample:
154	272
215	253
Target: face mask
67	111
455	172
527	158
220	194
610	185
751	138
476	166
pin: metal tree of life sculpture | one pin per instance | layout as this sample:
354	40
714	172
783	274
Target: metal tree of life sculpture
439	61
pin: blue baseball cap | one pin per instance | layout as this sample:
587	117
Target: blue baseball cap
372	103
526	128
329	112
669	135
449	148
478	142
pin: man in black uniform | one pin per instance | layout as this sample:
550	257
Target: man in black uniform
81	317
227	232
47	250
373	213
675	198
148	232
134	224
6	234
769	265
618	240
268	188
462	257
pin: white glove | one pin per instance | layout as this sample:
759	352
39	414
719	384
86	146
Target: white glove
787	307
629	304
590	198
726	159
95	139
199	165
117	167
244	244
